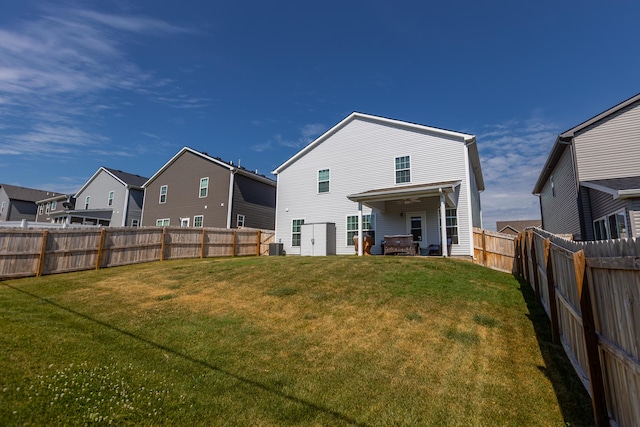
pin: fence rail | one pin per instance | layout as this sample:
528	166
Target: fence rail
591	293
36	252
494	250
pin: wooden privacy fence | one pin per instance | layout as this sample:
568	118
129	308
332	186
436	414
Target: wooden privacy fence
38	252
494	250
591	293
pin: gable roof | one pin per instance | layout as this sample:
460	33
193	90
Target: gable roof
566	138
469	140
517	225
126	179
215	160
25	194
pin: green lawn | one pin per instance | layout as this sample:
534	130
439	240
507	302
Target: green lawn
271	341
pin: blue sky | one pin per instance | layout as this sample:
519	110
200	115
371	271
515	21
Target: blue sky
125	85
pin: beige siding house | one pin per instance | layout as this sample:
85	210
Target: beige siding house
590	184
370	175
194	189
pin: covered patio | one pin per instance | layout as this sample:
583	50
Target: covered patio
383	199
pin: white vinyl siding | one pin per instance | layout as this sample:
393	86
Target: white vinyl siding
609	148
434	158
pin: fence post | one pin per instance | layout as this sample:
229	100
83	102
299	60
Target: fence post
534	260
525	257
43	248
259	242
202	243
162	243
233	244
551	288
484	248
100	243
598	400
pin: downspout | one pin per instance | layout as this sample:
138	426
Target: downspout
125	211
230	201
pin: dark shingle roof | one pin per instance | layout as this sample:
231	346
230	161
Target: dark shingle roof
128	178
26	194
626	183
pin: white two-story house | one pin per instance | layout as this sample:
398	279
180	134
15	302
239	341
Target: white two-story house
385	177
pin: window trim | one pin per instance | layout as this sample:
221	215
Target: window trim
40	208
166	190
372	224
54	205
448	227
135	222
87	200
161	222
606	220
47	209
396	170
238	216
195	221
110	198
328	181
205	188
296	233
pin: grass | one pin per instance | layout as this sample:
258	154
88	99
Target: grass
276	341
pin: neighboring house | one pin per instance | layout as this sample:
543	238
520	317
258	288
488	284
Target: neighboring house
589	186
52	208
18	203
515	227
110	198
393	177
196	190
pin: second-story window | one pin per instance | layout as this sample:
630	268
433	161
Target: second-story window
54	205
40	209
110	201
204	187
163	194
86	202
48	208
403	169
323	181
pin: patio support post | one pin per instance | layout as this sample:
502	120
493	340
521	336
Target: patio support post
360	237
443	225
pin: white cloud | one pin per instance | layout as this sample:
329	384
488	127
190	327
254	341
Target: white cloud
512	155
308	133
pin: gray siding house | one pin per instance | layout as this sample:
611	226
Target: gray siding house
53	208
589	186
18	203
110	198
375	176
194	189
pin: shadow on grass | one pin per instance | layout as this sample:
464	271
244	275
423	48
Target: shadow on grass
573	399
336	415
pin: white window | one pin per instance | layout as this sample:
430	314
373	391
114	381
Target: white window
553	187
240	221
86	202
2	207
162	222
198	221
135	223
54	205
163	194
323	181
40	209
452	225
204	187
296	229
48	208
110	200
184	222
403	169
368	227
612	226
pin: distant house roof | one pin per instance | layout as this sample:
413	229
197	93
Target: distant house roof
565	138
216	160
126	179
619	188
467	138
25	194
517	225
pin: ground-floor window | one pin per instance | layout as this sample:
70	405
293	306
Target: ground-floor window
368	227
164	222
135	222
240	221
451	219
612	226
198	220
296	231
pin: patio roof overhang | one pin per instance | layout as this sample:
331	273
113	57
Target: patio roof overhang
408	192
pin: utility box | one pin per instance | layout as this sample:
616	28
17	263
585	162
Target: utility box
276	249
318	239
